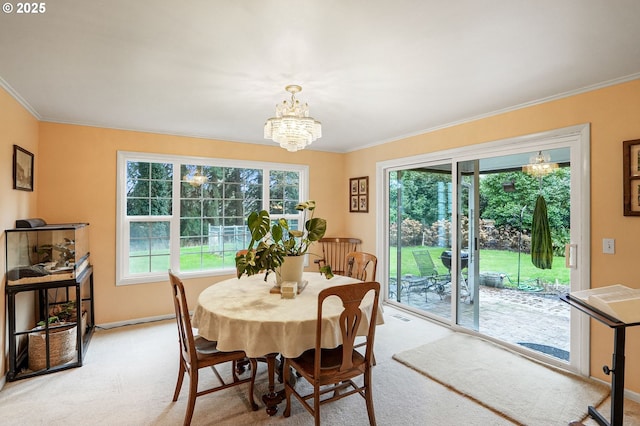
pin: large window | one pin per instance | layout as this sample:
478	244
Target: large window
166	221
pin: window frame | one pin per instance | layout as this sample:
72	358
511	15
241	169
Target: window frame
123	277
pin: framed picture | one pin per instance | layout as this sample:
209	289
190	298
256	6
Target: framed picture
354	186
359	194
631	177
22	169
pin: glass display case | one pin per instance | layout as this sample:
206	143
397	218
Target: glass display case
46	253
48	264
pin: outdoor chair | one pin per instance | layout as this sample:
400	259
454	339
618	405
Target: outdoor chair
430	278
331	372
197	352
334	252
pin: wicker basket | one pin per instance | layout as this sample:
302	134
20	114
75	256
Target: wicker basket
62	347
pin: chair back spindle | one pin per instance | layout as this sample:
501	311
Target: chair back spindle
335	250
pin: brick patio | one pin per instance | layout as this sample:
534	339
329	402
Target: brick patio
537	319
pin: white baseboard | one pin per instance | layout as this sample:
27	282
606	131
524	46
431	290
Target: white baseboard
634	396
110	325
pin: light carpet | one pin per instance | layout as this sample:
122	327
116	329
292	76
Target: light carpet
517	387
130	373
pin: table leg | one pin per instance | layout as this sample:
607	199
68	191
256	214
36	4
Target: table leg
272	398
617	383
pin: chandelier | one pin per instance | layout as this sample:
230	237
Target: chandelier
197	179
292	127
539	165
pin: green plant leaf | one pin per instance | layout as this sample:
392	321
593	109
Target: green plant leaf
316	228
259	224
276	240
276	233
326	270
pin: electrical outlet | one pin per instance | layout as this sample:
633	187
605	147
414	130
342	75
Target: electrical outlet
608	246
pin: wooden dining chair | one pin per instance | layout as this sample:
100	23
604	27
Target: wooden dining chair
357	264
334	252
196	352
334	369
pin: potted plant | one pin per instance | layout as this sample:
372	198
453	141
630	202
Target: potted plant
271	244
61	336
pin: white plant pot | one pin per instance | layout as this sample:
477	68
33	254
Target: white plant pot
291	269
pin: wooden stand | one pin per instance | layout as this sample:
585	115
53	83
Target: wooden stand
617	367
17	359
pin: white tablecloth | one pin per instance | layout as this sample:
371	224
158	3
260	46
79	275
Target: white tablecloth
241	314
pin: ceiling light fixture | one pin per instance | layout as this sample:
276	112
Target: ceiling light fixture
292	127
196	179
539	165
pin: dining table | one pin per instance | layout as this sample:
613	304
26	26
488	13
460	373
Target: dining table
250	314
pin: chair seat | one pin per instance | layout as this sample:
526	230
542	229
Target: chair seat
331	359
209	348
204	346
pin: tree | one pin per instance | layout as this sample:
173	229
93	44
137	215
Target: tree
506	207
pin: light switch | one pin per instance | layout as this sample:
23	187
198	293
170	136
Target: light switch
608	246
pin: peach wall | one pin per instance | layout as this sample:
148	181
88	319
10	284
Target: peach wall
80	186
613	113
20	128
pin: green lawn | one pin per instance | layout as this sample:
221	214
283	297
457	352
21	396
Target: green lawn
499	261
191	259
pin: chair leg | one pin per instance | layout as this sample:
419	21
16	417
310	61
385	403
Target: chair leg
316	404
287	393
254	370
179	383
234	370
368	396
193	391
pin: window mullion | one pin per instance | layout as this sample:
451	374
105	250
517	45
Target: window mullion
174	220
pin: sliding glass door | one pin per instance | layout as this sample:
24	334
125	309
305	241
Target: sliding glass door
459	228
510	298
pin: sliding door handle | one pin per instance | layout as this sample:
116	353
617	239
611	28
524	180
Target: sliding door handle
570	256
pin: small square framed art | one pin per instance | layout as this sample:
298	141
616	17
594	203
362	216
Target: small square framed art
359	194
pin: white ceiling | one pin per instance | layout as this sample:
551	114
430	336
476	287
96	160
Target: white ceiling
372	71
